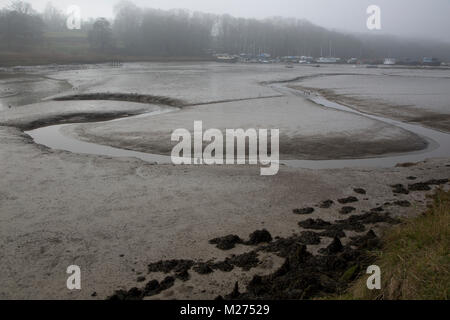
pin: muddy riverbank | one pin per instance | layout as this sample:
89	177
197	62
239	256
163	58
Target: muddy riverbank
122	219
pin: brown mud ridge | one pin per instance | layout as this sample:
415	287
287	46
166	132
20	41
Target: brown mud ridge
129	97
77	117
420	186
150	99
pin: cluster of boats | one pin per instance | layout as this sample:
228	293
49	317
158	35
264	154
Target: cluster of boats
290	60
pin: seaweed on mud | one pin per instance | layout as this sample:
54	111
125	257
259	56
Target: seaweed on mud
419	186
399	189
167	266
230	241
152	288
326	204
333	248
301	276
304	211
203	268
304	276
315	224
347	210
402	203
227	242
283	246
368	241
348	200
353	223
425	186
368	218
360	191
246	261
130	97
259	236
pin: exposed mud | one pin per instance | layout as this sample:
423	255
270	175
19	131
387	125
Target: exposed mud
303	275
440	121
140	98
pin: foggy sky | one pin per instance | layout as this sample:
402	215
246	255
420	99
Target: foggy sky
410	18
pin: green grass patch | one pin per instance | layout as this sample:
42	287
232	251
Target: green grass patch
414	260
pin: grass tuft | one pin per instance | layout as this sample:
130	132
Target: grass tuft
414	260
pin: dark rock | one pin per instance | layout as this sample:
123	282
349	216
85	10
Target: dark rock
326	204
425	186
140	279
309	238
368	218
132	294
399	189
246	261
227	242
350	274
304	211
167	283
224	266
369	241
437	182
151	288
347	210
403	203
335	247
203	268
348	200
377	209
235	293
283	246
411	178
317	224
259	236
360	191
167	266
419	187
333	233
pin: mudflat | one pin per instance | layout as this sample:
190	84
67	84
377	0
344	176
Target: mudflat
118	217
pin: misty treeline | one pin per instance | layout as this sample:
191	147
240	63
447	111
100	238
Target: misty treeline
151	32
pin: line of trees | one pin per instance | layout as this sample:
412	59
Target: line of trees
180	32
151	32
19	23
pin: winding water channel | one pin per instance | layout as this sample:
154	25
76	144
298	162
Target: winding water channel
438	142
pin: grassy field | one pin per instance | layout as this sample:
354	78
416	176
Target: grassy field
415	260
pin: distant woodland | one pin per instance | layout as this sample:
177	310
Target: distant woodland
144	32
